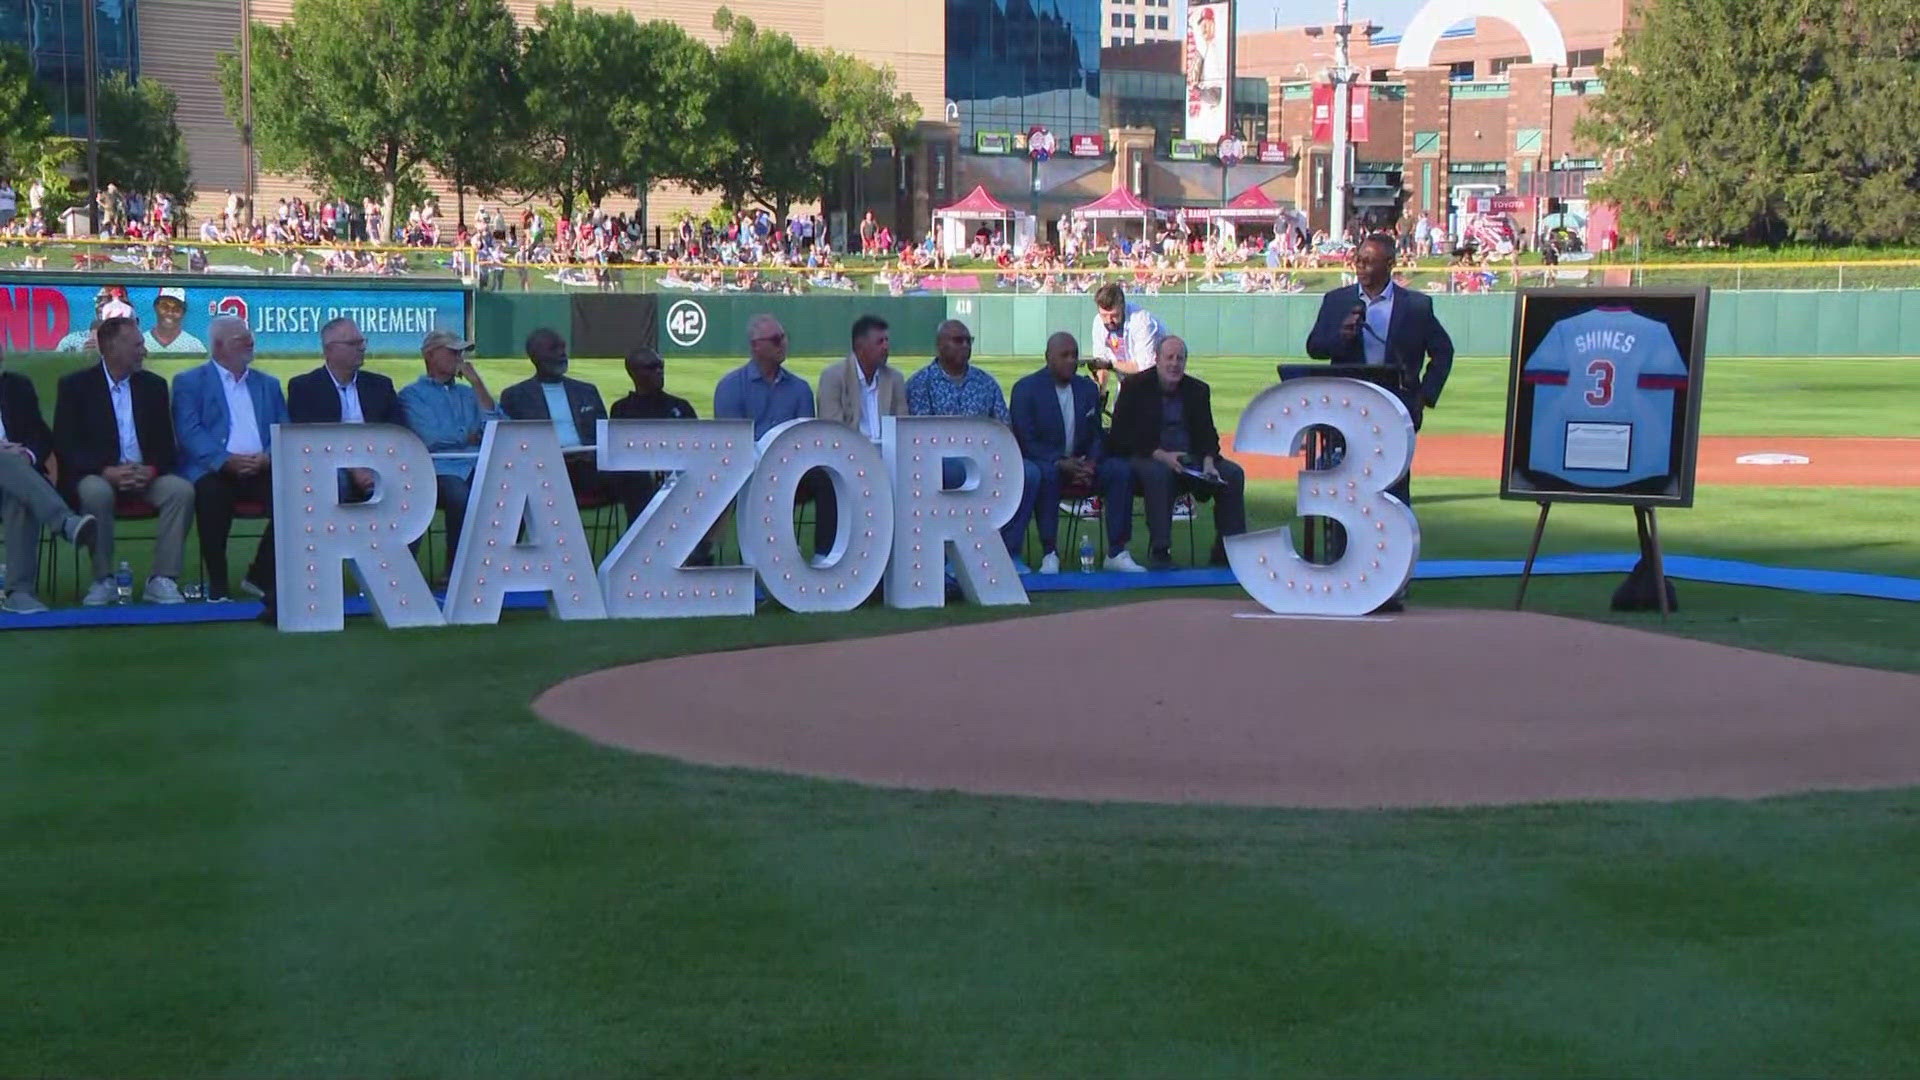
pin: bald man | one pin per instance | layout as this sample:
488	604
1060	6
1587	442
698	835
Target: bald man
1163	435
223	417
1056	418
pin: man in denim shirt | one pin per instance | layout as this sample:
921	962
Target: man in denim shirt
450	419
765	392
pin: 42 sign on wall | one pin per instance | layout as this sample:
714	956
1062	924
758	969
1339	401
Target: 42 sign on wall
686	323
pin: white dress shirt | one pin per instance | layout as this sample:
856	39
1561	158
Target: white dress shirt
350	400
243	427
1373	334
1137	341
121	394
1065	395
869	401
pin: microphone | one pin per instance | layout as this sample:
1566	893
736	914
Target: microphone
1359	315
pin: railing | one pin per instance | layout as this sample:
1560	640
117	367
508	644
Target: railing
132	259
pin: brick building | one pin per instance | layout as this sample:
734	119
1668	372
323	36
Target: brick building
1477	117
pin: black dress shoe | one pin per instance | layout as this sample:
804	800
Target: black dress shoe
1160	560
1391	607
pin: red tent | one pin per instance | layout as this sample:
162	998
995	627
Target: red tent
978	204
1118	203
1250	205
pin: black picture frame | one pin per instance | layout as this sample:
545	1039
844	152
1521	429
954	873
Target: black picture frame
1536	311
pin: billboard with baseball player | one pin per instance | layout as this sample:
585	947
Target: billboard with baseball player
1603	401
49	313
1209	42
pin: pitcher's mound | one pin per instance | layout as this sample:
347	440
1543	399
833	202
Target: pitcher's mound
1210	701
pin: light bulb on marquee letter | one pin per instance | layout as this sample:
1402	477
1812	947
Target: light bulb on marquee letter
643	577
864	537
519	472
313	532
1383	538
927	520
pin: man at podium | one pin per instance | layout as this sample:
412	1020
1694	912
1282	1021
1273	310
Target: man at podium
1378	322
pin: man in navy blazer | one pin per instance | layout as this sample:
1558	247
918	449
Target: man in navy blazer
1056	418
1378	322
339	391
223	417
27	501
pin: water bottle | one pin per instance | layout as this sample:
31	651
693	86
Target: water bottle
123	583
1086	554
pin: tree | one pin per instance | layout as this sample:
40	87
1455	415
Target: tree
141	147
29	149
1764	120
786	117
482	114
651	84
351	93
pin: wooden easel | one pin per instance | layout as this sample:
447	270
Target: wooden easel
1644	524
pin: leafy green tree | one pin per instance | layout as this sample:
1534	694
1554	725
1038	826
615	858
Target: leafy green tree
651	84
785	118
482	112
29	148
141	147
1764	120
353	93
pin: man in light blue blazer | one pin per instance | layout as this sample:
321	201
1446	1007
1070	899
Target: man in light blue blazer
223	417
1056	418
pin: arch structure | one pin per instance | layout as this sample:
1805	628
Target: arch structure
1545	43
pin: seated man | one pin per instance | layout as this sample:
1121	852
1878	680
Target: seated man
450	419
339	391
223	417
952	386
27	502
650	401
113	434
1164	443
574	407
764	391
1056	417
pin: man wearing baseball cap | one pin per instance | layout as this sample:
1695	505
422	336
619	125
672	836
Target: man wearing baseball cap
450	419
167	335
109	303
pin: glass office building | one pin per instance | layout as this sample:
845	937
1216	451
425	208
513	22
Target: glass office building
1015	64
53	32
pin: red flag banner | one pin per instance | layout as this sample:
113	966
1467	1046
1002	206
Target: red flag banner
1322	112
1358	98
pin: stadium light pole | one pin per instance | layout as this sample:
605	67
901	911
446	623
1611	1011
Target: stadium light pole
1342	76
90	43
246	109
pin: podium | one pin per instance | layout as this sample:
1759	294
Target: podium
1324	446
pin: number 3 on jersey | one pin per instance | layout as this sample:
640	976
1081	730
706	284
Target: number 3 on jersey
1383	539
1600	395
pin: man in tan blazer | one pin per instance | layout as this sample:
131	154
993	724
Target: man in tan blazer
861	389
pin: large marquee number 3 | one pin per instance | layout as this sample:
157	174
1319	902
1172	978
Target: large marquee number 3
1383	539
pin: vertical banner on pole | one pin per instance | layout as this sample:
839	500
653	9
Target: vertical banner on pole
1322	112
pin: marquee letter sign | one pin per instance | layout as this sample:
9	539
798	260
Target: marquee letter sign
900	521
1383	539
316	532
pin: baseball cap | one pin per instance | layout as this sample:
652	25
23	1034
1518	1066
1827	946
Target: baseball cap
116	309
176	294
445	339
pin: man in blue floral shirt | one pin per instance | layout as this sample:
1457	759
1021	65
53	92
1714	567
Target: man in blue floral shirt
952	386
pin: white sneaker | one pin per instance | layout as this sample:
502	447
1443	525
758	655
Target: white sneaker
1123	563
162	590
1050	563
100	593
22	602
79	529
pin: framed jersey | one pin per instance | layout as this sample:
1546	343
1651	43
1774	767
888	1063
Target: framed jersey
1603	396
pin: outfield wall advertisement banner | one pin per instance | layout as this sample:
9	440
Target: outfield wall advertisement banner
47	316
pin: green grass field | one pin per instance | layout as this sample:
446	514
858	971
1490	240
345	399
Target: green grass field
397	870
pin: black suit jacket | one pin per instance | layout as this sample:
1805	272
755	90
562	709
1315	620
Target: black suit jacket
1136	417
1415	339
313	399
527	401
86	436
20	415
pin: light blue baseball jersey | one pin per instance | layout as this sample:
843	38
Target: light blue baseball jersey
1607	378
